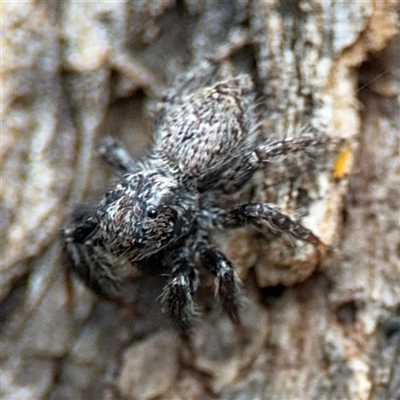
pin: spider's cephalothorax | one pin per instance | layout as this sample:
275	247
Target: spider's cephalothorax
161	211
145	213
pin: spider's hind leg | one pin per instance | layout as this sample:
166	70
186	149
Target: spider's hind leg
304	143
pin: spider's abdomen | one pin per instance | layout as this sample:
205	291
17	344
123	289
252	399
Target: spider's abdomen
209	132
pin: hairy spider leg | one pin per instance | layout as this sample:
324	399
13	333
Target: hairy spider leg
90	261
269	214
260	157
177	295
287	146
117	157
93	265
228	283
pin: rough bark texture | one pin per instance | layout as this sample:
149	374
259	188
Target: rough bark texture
316	327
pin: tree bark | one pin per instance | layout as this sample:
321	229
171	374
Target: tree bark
317	326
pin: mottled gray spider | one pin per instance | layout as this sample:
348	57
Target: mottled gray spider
161	212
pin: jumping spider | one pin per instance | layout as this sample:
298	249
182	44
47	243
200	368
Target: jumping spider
160	213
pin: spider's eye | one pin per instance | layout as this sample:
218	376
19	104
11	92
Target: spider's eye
151	212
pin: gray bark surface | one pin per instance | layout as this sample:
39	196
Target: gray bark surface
318	326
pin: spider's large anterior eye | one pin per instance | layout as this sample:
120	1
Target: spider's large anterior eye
151	212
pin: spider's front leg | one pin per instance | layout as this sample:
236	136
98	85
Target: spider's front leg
88	257
270	215
228	283
177	296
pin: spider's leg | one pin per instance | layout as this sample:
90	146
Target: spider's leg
92	266
177	296
88	258
117	157
82	225
268	150
270	215
228	283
